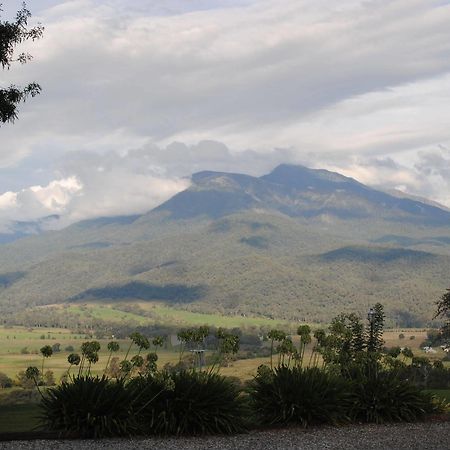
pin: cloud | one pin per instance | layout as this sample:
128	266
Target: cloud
349	84
89	185
37	202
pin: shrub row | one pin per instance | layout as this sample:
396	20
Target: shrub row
181	403
192	402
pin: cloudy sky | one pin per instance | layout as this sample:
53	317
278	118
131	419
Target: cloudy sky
138	95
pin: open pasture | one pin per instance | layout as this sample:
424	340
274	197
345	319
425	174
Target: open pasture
148	313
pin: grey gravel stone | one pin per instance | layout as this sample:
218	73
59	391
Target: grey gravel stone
420	436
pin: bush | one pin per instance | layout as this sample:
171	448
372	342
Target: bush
5	381
56	348
89	407
382	396
302	396
197	403
23	381
49	378
20	397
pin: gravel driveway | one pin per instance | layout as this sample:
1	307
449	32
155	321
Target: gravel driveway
420	436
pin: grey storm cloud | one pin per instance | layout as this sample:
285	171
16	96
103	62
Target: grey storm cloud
136	98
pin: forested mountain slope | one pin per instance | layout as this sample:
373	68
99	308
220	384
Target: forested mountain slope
297	243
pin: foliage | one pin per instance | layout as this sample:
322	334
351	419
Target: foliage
193	338
24	381
304	331
74	359
5	381
113	347
375	329
46	351
302	396
423	374
268	284
89	407
275	335
381	396
198	403
49	378
228	345
12	34
89	354
348	344
443	310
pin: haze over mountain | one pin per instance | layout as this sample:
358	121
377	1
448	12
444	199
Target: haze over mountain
295	243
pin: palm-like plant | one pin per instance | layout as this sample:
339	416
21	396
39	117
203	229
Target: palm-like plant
157	341
73	359
113	347
275	335
89	353
141	342
304	331
46	352
228	344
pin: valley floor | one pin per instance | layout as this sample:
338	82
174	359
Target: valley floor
423	436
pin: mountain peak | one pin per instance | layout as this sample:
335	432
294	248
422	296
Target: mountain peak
296	191
303	177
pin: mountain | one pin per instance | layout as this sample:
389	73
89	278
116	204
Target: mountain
297	243
297	192
20	229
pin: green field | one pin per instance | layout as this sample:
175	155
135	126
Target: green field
19	418
13	341
147	313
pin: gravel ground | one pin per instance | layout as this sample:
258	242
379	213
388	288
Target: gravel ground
423	436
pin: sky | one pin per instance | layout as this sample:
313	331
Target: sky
139	95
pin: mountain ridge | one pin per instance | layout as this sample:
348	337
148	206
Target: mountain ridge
297	191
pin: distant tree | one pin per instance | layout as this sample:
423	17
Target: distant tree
24	381
49	378
443	310
376	326
5	381
56	347
11	35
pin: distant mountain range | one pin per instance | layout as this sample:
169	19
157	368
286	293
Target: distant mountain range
297	191
296	243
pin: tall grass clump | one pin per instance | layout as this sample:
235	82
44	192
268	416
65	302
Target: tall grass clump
197	403
89	407
296	395
381	396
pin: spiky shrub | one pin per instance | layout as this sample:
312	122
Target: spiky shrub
302	396
381	396
197	403
88	406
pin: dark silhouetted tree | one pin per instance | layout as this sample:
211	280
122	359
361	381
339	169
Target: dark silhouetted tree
443	310
11	35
